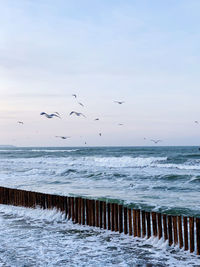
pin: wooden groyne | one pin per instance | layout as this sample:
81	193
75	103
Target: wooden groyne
178	230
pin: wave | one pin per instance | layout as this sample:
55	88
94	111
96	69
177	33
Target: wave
127	161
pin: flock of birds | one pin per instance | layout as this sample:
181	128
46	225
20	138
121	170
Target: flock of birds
79	114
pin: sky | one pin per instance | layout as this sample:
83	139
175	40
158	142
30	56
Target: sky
145	53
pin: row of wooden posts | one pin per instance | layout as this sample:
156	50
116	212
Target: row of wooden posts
178	230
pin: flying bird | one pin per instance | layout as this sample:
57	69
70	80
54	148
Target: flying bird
20	122
196	122
49	116
77	114
75	96
119	102
156	141
99	134
62	137
97	119
120	124
80	104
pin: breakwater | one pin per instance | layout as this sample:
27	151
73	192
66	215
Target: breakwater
178	230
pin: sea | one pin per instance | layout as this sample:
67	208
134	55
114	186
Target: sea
162	179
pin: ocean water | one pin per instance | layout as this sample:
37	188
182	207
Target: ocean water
165	179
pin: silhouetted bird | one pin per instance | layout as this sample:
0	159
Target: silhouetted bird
77	114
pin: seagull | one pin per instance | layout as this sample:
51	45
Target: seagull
20	122
156	141
62	137
119	102
97	119
80	104
75	96
77	114
49	116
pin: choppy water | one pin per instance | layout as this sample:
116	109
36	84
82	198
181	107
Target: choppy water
164	179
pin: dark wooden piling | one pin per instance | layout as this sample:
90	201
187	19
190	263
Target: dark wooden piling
143	224
97	213
138	224
66	205
87	212
76	210
101	214
120	219
109	218
191	224
134	222
125	221
112	217
148	224
185	225
170	229
83	210
174	219
165	227
130	222
154	224
104	215
90	212
116	217
79	210
73	213
159	217
180	233
93	213
198	235
69	208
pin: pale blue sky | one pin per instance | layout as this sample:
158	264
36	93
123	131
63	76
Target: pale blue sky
145	53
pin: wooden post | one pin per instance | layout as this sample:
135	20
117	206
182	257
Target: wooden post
125	221
69	208
87	212
112	217
116	217
83	211
104	215
185	224
108	211
93	212
76	210
165	227
154	223
143	224
97	213
66	206
138	224
130	221
175	230
170	229
72	202
90	212
101	214
135	222
148	224
79	209
159	225
180	233
191	223
120	219
198	235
